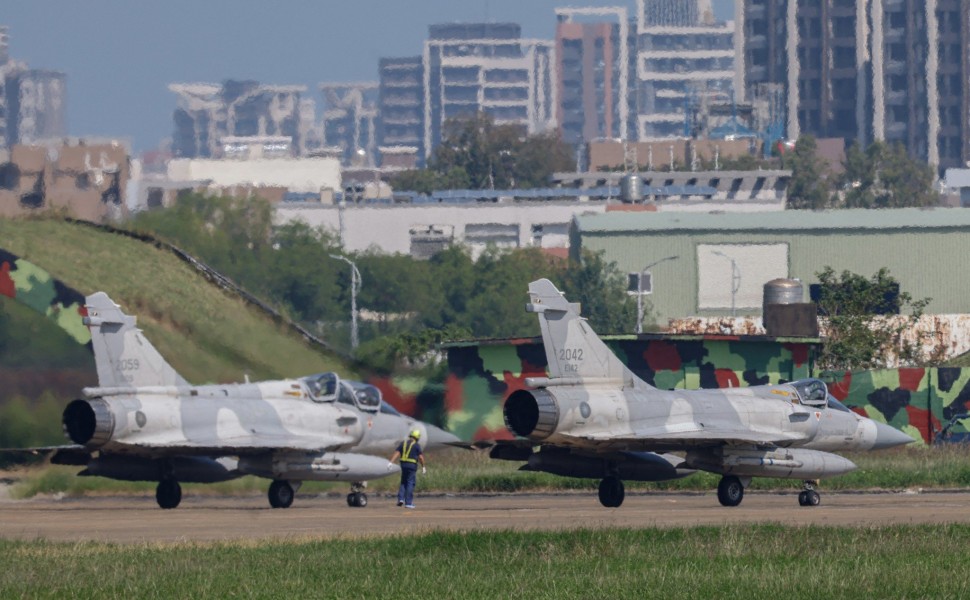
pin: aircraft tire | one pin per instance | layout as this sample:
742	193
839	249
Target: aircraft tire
168	493
730	492
611	492
803	498
357	499
281	494
812	498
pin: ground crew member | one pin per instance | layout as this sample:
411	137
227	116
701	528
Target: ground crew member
409	451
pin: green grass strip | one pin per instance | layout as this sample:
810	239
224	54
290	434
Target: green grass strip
750	562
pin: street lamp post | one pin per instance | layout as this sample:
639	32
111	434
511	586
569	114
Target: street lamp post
735	279
640	289
355	283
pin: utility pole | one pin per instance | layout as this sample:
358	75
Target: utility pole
355	283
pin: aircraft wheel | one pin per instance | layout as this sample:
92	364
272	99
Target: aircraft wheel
281	494
168	494
812	498
730	492
611	492
357	499
803	498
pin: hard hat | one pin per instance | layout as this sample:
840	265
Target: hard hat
416	434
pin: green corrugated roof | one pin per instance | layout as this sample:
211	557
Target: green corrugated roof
782	220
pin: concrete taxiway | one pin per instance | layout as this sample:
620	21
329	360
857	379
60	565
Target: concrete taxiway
207	519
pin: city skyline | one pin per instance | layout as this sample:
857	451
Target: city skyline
119	59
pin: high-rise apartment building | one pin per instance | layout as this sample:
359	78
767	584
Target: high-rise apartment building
865	70
486	67
400	127
684	57
33	102
350	121
593	61
209	113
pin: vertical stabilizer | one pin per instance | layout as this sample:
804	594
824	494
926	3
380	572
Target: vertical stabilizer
573	349
124	357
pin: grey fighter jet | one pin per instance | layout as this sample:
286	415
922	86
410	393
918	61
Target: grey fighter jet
146	423
592	417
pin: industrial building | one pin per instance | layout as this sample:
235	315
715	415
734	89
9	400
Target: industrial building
717	264
865	70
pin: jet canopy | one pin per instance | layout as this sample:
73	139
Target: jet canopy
814	392
328	387
811	392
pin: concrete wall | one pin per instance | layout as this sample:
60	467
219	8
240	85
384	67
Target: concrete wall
299	175
390	228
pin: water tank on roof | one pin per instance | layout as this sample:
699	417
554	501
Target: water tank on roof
785	314
631	188
783	291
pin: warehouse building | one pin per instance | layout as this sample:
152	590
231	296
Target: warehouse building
717	264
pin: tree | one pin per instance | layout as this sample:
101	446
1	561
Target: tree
858	333
885	176
601	291
808	188
477	153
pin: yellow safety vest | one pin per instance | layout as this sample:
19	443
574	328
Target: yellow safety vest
406	451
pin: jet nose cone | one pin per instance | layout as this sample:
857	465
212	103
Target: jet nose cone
888	436
437	437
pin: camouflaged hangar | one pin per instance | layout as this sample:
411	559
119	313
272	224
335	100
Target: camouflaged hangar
703	264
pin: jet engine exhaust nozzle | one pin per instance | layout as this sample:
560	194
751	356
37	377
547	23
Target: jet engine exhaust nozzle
532	414
88	422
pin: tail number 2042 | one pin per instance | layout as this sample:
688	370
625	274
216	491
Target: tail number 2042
571	354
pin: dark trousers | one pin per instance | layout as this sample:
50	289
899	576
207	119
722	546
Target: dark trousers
409	476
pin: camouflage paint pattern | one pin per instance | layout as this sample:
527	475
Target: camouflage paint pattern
481	375
31	285
919	401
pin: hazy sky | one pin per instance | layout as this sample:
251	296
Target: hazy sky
120	55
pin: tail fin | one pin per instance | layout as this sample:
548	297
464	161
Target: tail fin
573	349
123	356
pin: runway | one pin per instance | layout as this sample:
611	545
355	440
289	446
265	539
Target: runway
137	519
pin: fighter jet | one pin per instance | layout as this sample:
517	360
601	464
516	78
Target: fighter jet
144	422
593	417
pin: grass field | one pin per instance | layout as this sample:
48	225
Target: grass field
743	562
207	334
470	472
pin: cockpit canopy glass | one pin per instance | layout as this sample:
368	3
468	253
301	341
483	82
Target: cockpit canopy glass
367	396
812	392
322	386
835	404
387	409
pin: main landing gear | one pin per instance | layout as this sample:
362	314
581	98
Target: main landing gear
168	493
808	496
611	491
281	494
357	498
730	491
